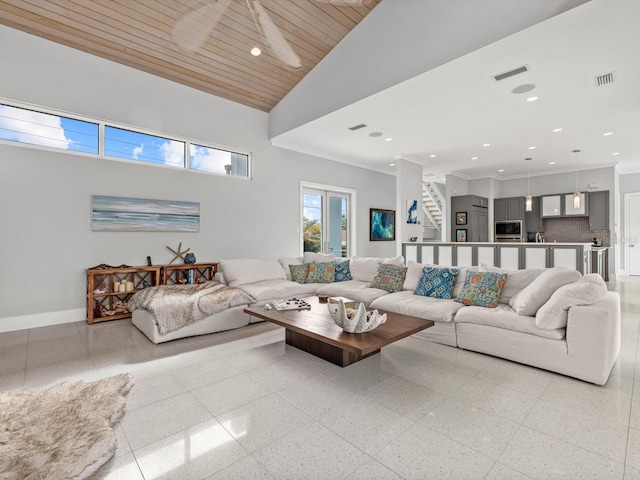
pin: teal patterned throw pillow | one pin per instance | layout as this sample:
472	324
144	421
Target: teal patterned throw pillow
343	273
389	277
482	289
299	273
436	282
321	272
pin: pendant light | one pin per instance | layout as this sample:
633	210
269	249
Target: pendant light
528	204
576	193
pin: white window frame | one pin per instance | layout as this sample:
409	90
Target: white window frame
101	142
351	221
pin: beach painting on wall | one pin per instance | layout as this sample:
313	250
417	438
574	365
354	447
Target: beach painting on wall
125	214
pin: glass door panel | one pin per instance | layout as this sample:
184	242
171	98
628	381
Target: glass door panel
325	223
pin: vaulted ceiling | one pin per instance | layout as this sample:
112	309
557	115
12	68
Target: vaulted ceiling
140	34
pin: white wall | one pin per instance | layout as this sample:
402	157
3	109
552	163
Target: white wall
629	183
46	242
408	187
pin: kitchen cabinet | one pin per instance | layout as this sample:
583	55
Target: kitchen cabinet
551	205
570	211
533	219
599	210
477	217
508	208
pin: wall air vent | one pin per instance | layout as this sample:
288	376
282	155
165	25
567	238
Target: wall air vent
357	127
511	73
605	79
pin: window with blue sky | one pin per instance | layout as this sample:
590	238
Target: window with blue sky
32	127
36	128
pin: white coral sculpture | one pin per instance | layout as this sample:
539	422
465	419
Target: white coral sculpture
358	320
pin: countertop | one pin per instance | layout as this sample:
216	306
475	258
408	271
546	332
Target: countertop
510	244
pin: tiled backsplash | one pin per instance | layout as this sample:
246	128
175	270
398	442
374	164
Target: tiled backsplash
572	230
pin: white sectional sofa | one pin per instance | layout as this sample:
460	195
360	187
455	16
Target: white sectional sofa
567	324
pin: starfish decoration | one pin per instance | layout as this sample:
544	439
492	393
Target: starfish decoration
179	253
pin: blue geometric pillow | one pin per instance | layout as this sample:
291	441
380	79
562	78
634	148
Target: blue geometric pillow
343	273
436	282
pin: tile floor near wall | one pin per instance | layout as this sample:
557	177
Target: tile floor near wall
243	405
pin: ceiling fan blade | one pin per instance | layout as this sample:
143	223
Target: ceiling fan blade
192	30
281	48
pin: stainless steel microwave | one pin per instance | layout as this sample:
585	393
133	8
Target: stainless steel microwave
508	231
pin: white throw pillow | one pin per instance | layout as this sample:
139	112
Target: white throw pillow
516	279
414	272
537	293
240	271
366	268
554	314
286	261
319	257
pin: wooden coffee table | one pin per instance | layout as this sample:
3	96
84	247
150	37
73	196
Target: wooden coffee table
315	332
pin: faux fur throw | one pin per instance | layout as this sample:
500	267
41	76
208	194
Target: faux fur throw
176	306
63	432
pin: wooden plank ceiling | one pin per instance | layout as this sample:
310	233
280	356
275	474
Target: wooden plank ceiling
138	33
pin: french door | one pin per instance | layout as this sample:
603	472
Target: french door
325	221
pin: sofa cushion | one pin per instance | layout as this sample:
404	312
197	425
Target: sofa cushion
240	271
286	261
587	290
482	289
436	282
503	316
319	257
429	308
389	278
321	272
268	290
343	272
355	290
299	273
537	293
516	279
366	268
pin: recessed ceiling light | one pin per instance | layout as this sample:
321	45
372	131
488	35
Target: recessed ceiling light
607	134
375	134
532	99
474	158
501	170
532	148
552	163
527	87
388	139
392	164
255	51
486	144
432	156
556	130
616	153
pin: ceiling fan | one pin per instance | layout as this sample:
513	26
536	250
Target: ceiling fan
191	31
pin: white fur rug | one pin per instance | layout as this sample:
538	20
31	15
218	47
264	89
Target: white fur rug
63	432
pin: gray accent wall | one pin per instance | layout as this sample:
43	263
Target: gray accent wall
46	242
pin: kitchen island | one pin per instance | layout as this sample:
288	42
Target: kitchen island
510	256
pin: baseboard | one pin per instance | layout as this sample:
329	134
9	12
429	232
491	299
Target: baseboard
23	322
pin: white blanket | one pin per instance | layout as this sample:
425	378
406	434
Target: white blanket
175	306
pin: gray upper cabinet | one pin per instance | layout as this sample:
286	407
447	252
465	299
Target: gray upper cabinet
508	208
599	210
571	211
534	217
551	205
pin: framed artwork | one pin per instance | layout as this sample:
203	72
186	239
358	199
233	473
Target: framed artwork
461	234
412	211
461	218
124	214
383	225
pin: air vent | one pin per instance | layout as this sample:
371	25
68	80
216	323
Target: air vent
511	73
605	79
357	127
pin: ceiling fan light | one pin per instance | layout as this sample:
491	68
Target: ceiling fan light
528	204
255	51
576	200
